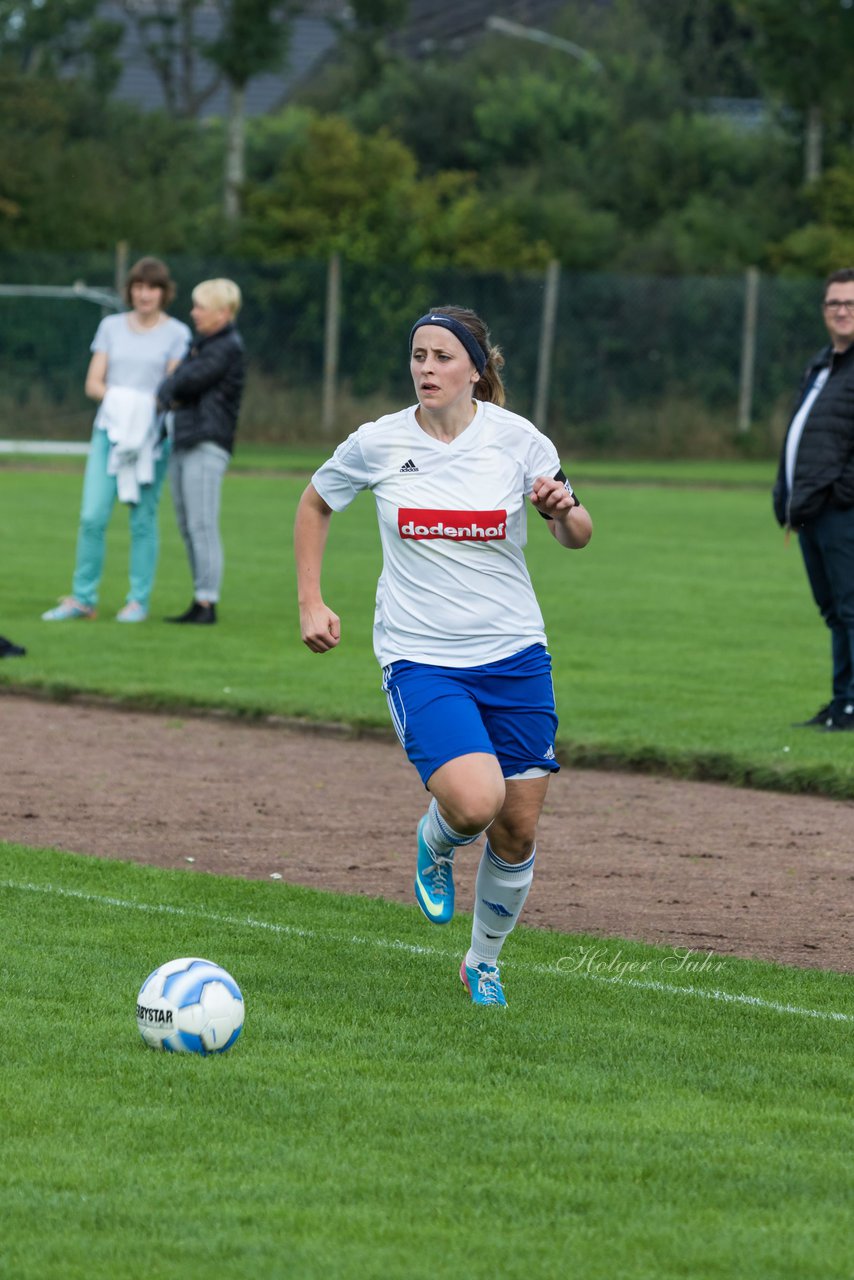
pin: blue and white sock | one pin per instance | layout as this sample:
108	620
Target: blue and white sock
441	839
500	894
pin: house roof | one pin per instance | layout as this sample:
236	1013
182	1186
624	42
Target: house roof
455	25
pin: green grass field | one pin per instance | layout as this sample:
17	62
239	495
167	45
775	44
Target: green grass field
684	637
635	1114
624	1117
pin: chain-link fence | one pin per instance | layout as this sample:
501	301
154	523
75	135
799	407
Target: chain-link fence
609	364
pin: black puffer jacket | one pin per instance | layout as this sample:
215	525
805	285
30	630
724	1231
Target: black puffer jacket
824	467
205	389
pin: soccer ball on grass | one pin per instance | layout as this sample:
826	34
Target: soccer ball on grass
190	1006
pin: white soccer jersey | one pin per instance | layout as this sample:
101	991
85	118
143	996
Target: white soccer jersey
454	590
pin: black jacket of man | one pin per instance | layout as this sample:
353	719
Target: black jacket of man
824	467
204	390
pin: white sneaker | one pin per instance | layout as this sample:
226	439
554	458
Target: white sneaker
132	612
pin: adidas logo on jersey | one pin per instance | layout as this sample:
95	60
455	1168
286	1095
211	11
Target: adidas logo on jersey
409	467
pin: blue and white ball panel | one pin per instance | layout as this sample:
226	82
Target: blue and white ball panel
190	1005
163	971
186	986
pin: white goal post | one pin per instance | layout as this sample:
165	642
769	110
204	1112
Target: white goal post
102	297
107	299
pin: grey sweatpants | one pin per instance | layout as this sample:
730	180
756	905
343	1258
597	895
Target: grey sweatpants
195	478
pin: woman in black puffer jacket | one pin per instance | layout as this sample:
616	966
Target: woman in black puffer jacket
203	395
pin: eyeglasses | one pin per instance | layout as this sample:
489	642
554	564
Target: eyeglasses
835	304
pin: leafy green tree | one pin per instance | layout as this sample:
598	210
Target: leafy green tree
254	37
361	63
166	32
363	37
803	52
47	39
498	160
704	236
428	105
79	173
656	166
331	190
825	242
576	233
529	117
707	44
617	166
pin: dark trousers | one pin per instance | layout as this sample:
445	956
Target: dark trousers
827	545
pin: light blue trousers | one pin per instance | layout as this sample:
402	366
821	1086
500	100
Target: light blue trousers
99	497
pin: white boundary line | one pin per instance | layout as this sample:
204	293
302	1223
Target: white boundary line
287	930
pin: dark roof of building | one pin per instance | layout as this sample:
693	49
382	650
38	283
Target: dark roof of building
456	25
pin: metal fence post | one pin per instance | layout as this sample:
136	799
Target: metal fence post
547	338
121	267
748	348
330	343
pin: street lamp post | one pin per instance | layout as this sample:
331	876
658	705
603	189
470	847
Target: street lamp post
520	32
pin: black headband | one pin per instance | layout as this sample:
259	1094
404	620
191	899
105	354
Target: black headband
466	337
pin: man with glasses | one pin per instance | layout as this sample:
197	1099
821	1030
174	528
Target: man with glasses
814	493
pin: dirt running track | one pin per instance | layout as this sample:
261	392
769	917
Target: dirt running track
694	865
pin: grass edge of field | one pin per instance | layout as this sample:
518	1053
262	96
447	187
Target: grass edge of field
85	870
636	757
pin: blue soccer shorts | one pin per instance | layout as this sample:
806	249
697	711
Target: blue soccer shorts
505	709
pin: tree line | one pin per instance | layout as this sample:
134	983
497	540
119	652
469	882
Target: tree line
698	137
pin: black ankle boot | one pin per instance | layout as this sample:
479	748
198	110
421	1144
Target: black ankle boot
10	650
197	614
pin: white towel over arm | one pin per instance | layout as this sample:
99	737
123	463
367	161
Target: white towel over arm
130	421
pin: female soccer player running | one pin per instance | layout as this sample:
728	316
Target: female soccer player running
457	629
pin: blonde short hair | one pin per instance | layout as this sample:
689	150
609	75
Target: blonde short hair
219	293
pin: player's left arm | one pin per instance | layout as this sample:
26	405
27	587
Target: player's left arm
568	519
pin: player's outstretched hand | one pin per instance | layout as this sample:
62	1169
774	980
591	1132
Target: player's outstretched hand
320	627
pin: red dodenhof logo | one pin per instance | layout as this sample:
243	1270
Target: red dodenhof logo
461	526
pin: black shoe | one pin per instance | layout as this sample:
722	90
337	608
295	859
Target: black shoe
9	650
840	719
183	617
821	717
203	615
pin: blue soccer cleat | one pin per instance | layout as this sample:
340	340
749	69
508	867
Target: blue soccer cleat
434	882
482	983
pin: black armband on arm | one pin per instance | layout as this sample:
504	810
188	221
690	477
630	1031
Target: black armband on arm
560	476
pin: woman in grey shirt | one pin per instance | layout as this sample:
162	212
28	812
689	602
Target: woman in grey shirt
131	354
